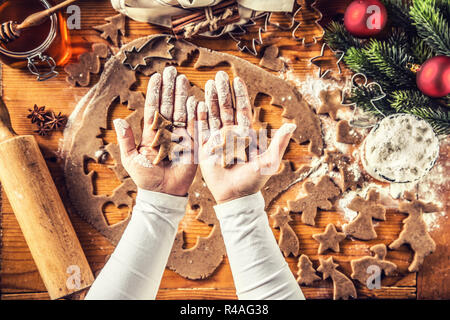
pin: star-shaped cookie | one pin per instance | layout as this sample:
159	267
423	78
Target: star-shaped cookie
329	239
233	148
167	141
331	102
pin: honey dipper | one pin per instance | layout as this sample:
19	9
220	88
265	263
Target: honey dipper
11	30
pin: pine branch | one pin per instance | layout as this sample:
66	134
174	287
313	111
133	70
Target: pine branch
405	100
420	50
438	118
338	38
431	25
398	13
392	61
362	96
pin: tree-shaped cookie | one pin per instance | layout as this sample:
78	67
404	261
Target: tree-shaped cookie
415	231
288	241
167	141
317	198
329	239
112	29
362	226
361	268
331	102
343	287
306	273
351	177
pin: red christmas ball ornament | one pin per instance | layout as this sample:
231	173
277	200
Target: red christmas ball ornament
365	18
433	77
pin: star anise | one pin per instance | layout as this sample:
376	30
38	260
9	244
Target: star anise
37	114
55	121
42	130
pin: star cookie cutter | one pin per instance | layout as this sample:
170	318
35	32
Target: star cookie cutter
242	30
338	53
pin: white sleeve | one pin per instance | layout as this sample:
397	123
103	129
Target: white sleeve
136	266
258	267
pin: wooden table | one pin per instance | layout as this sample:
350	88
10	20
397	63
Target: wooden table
19	277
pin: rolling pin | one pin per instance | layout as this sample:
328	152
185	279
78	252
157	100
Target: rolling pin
40	212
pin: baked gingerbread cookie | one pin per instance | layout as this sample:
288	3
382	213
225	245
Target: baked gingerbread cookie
329	239
415	231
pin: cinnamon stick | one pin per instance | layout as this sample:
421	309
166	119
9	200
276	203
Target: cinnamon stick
193	23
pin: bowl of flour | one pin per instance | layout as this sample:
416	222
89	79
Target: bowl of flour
401	148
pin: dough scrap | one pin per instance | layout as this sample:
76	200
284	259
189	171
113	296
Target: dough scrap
351	177
306	273
362	226
361	267
317	198
346	133
270	59
415	231
329	239
288	241
112	29
343	287
88	62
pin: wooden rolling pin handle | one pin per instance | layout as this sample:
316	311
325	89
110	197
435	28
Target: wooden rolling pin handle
41	214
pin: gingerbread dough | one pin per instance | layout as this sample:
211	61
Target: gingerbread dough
83	142
351	177
362	227
233	149
282	180
329	239
317	198
270	59
343	287
346	133
88	62
361	267
415	231
288	241
112	29
306	274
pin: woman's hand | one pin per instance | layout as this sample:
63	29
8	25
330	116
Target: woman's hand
167	94
217	115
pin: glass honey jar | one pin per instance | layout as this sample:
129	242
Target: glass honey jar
40	48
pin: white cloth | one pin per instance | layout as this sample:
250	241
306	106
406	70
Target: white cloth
135	269
160	11
258	267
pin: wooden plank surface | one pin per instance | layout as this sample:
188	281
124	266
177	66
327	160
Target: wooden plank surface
19	278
